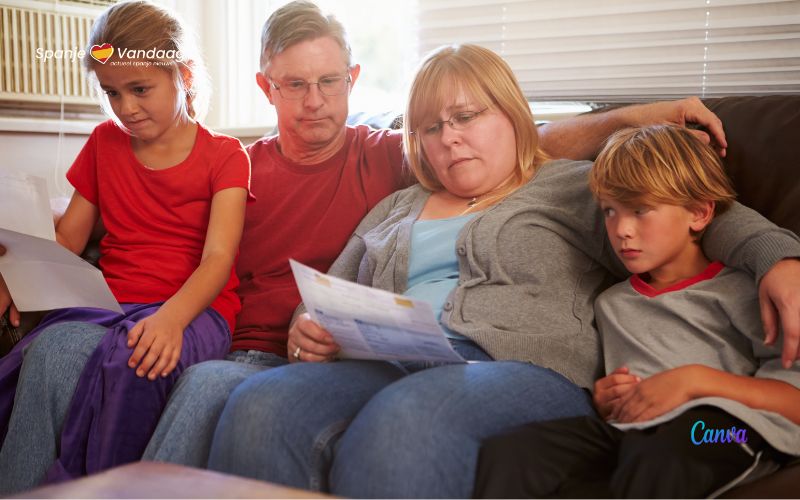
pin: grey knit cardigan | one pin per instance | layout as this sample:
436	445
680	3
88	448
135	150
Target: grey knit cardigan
531	267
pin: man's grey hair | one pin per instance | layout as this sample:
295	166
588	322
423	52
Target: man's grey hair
297	22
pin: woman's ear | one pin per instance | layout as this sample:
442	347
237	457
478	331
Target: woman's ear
702	213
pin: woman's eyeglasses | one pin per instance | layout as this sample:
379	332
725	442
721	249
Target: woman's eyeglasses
457	121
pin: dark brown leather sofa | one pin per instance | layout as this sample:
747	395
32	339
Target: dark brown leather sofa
763	160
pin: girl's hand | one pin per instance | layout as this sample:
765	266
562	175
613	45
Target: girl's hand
7	303
5	298
314	342
158	340
610	390
657	395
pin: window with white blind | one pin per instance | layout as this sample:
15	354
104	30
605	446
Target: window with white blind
381	36
629	50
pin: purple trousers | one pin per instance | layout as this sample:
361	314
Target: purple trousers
113	412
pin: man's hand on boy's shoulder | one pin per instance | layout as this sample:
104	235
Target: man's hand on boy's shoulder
779	297
682	112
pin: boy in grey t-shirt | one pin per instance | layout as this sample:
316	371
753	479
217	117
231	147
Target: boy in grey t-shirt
693	402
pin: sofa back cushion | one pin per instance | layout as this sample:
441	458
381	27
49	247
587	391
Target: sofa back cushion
763	158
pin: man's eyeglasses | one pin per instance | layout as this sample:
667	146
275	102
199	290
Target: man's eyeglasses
458	121
328	85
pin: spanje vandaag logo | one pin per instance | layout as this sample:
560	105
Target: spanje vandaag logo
102	53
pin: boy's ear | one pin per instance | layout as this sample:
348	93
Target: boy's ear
702	213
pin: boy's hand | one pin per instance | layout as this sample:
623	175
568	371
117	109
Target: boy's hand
656	395
610	390
158	340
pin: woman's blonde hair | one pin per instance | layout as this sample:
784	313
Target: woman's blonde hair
489	81
660	164
139	27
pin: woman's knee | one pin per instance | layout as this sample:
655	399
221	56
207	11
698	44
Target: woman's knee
310	391
454	407
264	396
305	405
481	399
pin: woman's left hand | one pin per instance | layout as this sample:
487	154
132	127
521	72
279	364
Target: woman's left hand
656	395
308	341
158	340
779	297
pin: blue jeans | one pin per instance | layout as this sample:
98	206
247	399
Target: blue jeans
186	426
53	364
111	412
373	429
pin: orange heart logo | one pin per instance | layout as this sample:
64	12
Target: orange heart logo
102	53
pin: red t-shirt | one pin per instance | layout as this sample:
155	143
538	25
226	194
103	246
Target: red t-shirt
156	220
307	213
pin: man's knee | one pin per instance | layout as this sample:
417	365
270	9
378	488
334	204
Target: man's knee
217	375
208	384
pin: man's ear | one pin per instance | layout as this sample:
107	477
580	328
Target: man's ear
354	71
702	213
264	85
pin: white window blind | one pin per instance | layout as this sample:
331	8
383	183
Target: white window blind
629	50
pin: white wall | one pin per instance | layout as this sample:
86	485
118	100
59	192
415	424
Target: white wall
40	154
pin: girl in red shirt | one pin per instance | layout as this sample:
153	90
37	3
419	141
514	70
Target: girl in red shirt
171	195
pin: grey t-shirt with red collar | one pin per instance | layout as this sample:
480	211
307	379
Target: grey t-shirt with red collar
713	320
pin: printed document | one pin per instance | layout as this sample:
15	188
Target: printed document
40	273
372	324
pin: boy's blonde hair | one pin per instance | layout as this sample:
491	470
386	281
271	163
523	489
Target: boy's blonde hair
660	164
487	78
139	25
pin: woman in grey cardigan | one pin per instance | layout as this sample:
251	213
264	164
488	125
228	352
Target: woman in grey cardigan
510	249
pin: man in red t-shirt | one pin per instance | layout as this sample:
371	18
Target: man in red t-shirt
313	183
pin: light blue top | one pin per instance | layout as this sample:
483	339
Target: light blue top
433	263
